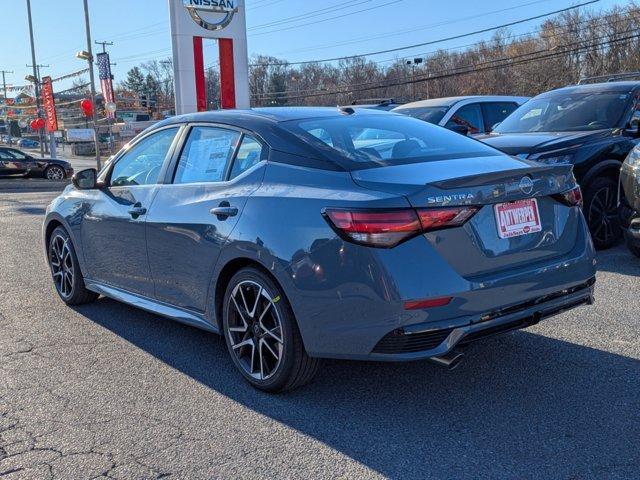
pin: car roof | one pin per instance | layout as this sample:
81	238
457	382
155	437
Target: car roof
450	101
263	115
622	87
264	123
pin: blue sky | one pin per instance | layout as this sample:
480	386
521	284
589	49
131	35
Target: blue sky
140	29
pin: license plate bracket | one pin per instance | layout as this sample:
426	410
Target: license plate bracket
521	217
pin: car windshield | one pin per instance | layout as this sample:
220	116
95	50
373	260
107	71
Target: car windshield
562	112
366	141
428	114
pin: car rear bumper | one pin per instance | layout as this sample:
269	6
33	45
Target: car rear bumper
356	319
434	340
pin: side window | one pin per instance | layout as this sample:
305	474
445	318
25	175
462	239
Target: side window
469	116
206	155
322	134
249	153
15	154
142	164
496	112
5	155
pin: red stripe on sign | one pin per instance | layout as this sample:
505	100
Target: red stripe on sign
227	75
198	63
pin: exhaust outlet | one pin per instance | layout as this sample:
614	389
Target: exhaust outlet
450	360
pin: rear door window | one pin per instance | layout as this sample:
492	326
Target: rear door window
469	116
206	155
496	112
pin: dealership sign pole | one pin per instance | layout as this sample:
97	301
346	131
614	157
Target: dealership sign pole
50	112
222	20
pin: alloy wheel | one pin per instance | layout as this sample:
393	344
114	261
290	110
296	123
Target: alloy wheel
62	268
55	173
602	215
255	330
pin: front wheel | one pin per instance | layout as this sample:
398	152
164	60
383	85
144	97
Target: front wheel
262	335
65	270
601	212
54	172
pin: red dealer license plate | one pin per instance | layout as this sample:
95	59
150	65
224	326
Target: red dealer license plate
517	218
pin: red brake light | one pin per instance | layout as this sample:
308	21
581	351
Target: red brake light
379	228
387	228
572	198
434	219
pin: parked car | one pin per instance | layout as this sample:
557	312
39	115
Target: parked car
16	162
471	115
28	143
376	103
293	237
630	201
589	126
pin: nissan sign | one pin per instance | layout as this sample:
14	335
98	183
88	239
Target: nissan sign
211	14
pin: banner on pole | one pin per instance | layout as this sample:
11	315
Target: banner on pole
49	104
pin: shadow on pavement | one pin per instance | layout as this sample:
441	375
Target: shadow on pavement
26	185
522	404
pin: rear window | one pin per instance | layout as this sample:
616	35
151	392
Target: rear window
365	141
428	114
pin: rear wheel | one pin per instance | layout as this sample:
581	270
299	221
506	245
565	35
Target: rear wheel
601	212
65	270
262	335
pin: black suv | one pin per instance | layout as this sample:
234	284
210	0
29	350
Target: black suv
591	126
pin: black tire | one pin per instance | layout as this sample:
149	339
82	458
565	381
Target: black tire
601	212
55	172
294	367
65	270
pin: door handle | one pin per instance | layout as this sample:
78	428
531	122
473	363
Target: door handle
224	211
137	210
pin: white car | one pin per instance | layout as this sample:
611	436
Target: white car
471	115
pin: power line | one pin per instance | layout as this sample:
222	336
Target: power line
330	18
310	14
412	30
471	69
432	42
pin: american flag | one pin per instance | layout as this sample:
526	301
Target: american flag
104	73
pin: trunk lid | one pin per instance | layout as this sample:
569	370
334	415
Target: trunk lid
476	248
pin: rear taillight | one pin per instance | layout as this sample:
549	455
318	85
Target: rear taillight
572	198
387	228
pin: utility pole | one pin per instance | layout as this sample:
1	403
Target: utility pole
104	45
4	86
35	71
41	134
93	83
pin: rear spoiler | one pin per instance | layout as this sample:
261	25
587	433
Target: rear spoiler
515	174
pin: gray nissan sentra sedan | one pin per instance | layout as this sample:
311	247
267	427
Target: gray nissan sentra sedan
309	233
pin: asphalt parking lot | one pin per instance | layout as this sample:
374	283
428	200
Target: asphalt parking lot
108	391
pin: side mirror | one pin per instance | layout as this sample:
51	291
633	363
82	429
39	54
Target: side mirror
85	179
461	129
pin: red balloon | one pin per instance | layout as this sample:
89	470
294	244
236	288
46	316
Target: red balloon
40	123
87	107
33	124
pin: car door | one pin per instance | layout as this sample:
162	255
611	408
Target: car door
496	112
112	231
469	116
197	208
